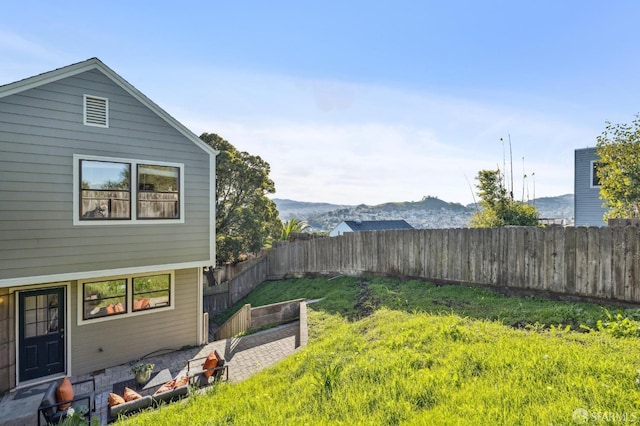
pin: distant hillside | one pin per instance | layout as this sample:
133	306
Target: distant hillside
289	209
430	212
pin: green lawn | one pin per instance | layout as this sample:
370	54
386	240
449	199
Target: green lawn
384	351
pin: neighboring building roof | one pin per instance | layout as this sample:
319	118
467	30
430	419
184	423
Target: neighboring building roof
377	225
95	63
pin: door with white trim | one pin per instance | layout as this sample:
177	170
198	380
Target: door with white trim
41	333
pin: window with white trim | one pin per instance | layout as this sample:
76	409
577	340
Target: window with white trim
114	190
125	296
105	190
595	180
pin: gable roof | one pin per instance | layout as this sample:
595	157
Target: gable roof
377	225
95	63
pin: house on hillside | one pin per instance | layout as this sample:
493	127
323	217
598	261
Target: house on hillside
588	209
368	225
107	217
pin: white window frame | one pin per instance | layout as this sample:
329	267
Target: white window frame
591	174
133	188
84	111
130	312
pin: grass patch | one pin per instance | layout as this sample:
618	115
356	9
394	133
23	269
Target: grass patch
355	298
427	354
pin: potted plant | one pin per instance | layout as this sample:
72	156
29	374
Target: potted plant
142	371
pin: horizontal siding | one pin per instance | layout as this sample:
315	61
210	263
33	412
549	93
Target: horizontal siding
588	205
127	339
40	131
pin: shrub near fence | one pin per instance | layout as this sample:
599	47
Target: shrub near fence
593	262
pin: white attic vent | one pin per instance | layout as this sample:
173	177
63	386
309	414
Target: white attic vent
96	111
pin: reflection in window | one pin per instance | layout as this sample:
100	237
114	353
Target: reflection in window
106	191
41	315
158	192
105	298
151	292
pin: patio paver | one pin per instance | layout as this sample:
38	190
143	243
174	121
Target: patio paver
245	355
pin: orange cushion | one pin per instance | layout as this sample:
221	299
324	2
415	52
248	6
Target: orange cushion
110	309
181	381
210	362
141	304
170	385
131	395
64	393
118	307
115	399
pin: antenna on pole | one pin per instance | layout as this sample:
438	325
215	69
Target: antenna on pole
534	187
504	165
524	178
511	164
472	194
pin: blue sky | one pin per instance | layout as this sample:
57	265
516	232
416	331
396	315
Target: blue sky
362	102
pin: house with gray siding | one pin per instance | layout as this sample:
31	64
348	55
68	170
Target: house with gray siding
107	217
588	209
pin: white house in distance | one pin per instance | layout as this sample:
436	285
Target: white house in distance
107	217
368	225
588	209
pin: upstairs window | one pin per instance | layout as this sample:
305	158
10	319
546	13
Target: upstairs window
96	111
158	192
123	191
106	190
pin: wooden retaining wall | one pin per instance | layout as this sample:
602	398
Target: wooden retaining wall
251	318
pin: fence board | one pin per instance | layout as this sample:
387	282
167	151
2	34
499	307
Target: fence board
630	265
593	260
617	264
605	287
581	259
569	269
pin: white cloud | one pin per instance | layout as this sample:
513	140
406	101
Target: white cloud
351	144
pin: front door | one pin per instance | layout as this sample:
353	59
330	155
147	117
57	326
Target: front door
41	333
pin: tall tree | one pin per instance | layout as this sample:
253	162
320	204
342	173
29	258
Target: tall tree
618	170
498	207
246	219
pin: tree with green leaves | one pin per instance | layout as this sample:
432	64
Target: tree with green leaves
618	169
497	206
293	226
246	219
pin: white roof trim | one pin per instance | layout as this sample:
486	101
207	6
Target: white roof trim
72	276
95	63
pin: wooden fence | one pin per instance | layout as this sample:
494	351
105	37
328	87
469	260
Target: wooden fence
588	262
219	298
238	323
